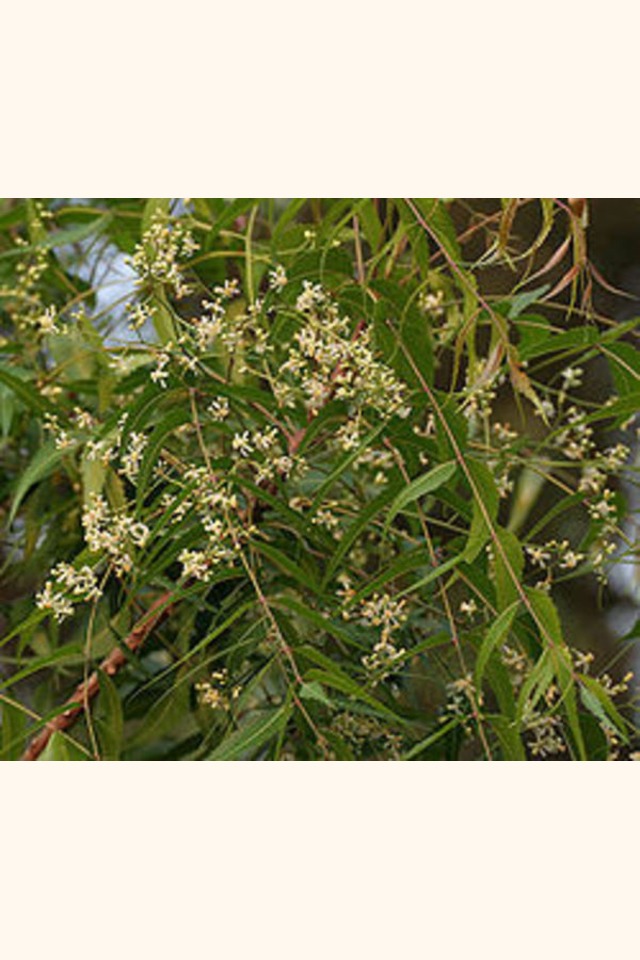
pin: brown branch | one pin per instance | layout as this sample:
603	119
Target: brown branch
86	691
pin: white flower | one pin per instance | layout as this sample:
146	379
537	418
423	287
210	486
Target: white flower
195	564
277	279
241	443
219	409
57	603
160	374
133	457
46	322
572	377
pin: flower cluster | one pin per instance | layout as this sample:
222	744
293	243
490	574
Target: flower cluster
132	458
218	693
113	533
139	313
461	699
157	258
61	437
265	451
68	586
575	441
431	303
363	732
389	615
329	361
554	554
546	737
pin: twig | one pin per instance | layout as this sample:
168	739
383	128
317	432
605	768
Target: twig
86	691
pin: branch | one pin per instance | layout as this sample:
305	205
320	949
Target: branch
85	692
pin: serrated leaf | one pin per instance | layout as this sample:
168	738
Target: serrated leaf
486	501
245	742
546	614
420	487
599	703
315	691
289	566
494	635
168	425
61	748
61	238
23	389
521	301
43	463
109	718
365	517
508	567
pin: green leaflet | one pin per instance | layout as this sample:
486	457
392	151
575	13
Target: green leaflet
60	238
430	740
365	518
485	508
494	635
301	573
168	425
435	478
508	567
599	703
42	465
61	747
19	384
244	743
109	719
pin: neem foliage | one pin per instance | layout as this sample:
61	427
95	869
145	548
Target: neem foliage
276	497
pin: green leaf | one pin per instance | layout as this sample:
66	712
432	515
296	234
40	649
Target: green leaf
324	625
536	684
545	615
299	571
494	635
69	653
571	340
168	425
365	518
521	301
437	216
430	740
485	508
61	238
438	571
340	681
371	225
508	568
109	719
508	736
13	731
345	463
61	748
405	563
56	749
624	363
153	207
566	682
23	389
315	691
420	487
42	465
599	703
331	675
242	744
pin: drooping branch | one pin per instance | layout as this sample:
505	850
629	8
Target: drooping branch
86	691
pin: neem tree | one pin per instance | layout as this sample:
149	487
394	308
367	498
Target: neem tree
307	489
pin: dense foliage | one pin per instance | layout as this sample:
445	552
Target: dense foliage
292	482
